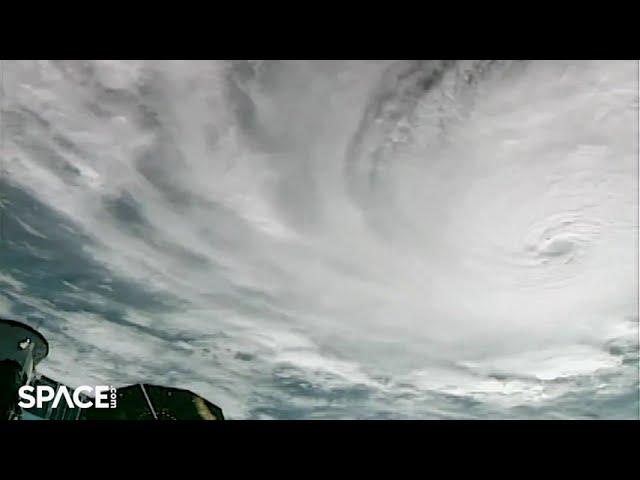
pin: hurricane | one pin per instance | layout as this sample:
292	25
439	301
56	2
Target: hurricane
341	239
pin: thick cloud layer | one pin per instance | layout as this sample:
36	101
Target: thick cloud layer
342	239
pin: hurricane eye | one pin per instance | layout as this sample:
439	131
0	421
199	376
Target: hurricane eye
556	247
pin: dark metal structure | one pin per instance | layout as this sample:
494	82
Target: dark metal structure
22	348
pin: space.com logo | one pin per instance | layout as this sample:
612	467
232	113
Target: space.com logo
105	396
